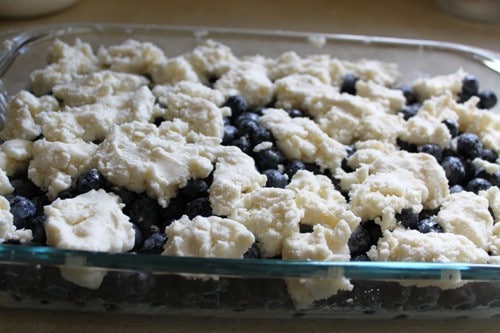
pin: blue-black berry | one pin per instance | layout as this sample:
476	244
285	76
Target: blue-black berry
238	105
24	187
275	178
37	226
456	188
138	237
293	166
432	149
243	143
246	127
199	206
487	99
469	145
454	169
230	134
154	243
409	94
260	134
253	252
360	241
477	184
452	127
268	159
408	218
349	84
428	225
145	213
409	111
295	113
489	155
247	116
90	180
22	209
194	188
470	86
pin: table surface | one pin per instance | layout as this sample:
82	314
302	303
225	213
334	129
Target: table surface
409	19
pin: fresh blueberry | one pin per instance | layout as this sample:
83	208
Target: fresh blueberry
268	159
409	147
158	120
230	134
295	113
477	184
350	149
374	231
432	149
454	169
243	143
154	243
25	187
253	252
194	188
409	94
66	194
40	201
410	110
275	178
452	127
238	105
428	213
489	155
360	241
261	134
246	127
293	166
487	99
138	237
428	225
199	206
345	165
470	86
145	213
126	196
469	145
360	257
408	218
456	188
313	167
175	209
349	84
22	209
493	178
37	226
90	180
247	116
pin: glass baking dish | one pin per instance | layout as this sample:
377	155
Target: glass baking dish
151	284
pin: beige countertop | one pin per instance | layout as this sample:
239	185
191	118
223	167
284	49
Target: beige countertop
410	19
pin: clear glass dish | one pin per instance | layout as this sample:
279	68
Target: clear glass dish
30	276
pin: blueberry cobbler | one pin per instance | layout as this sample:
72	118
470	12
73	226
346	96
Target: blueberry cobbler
206	154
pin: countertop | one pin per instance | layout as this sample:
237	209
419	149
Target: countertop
410	19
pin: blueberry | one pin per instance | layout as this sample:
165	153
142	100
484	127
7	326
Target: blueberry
349	84
374	231
477	184
452	127
409	147
350	149
126	196
293	166
37	226
428	225
247	116
345	165
66	194
275	178
409	94
175	209
409	111
158	120
489	155
454	169
253	252
470	86
469	146
295	113
360	241
408	218
22	210
313	167
238	105
268	159
360	257
145	213
246	127
154	243
194	188
428	213
138	237
243	143
261	134
25	187
230	134
199	206
456	188
487	99
432	149
90	180
493	178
